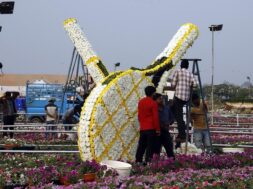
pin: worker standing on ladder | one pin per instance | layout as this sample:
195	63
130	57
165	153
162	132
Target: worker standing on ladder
182	82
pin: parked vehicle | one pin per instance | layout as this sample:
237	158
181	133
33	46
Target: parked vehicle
21	108
38	94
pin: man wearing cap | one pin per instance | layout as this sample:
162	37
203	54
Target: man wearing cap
182	82
51	116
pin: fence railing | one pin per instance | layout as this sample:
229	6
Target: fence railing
233	119
219	118
224	125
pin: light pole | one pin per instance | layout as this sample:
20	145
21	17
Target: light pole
248	78
116	65
5	8
213	28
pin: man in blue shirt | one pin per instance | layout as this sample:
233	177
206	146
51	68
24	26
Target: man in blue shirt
165	119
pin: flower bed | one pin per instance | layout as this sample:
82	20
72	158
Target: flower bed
30	141
202	171
232	139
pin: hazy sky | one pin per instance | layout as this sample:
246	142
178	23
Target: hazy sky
132	32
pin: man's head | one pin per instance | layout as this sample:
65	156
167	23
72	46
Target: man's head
150	91
158	98
51	100
15	94
195	99
184	64
7	94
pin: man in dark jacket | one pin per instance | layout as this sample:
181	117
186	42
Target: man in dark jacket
165	118
9	111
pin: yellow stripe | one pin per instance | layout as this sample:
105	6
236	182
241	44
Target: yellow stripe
93	59
175	50
69	20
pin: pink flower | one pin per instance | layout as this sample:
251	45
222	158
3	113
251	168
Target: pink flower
205	183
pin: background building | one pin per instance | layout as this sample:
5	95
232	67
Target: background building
17	82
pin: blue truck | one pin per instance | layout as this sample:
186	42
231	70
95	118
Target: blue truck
38	94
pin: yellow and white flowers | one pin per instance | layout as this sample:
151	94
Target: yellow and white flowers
176	48
84	49
108	126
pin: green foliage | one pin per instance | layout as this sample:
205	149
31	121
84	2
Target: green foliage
103	68
2	181
156	63
111	77
89	167
227	92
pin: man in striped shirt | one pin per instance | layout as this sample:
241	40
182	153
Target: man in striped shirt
182	82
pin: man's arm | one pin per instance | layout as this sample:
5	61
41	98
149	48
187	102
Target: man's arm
173	83
48	114
174	80
156	117
56	112
138	111
205	107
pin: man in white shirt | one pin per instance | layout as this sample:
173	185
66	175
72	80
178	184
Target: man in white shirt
51	116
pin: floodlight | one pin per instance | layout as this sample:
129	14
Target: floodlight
7	7
216	27
116	65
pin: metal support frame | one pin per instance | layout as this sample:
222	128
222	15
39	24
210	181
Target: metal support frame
212	82
76	69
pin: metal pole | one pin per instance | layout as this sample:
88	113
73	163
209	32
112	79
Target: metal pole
188	112
249	88
237	119
212	74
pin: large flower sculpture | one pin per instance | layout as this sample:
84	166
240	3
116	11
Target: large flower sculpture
108	126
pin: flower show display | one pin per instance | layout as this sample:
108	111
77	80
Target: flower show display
108	126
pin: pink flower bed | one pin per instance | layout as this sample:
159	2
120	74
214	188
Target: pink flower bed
202	171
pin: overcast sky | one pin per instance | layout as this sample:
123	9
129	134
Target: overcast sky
132	32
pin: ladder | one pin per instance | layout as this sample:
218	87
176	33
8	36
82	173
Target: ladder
195	72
